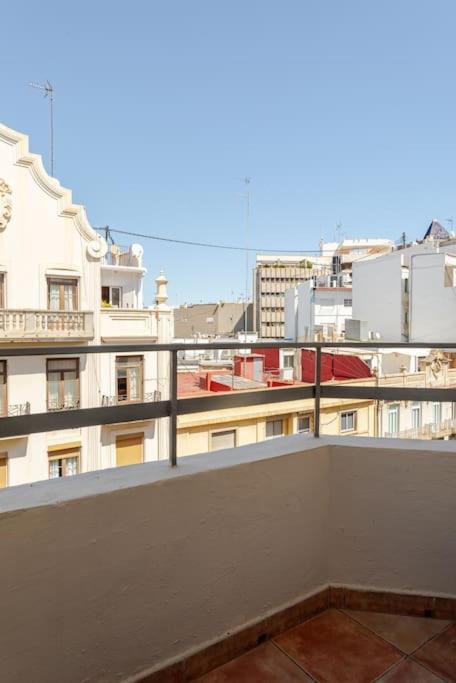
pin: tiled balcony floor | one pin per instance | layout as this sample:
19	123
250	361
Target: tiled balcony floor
350	647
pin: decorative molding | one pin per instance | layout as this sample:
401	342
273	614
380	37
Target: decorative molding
52	187
6	204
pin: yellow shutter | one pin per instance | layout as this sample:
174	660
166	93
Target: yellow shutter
3	472
129	449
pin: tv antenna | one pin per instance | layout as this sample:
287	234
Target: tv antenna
48	91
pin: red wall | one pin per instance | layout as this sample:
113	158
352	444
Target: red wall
271	358
333	366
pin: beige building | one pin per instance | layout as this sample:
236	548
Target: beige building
224	318
273	275
211	431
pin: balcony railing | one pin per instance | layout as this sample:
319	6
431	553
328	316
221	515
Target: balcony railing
431	430
112	412
21	324
18	409
68	404
120	401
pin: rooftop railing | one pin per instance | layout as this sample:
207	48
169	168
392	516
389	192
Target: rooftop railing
173	406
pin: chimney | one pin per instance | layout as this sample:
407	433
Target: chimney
161	296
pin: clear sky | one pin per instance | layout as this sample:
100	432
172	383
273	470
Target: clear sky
338	110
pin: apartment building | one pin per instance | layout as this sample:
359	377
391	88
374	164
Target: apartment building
317	310
414	290
222	318
275	274
206	431
60	286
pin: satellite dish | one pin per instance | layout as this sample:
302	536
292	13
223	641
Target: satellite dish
137	251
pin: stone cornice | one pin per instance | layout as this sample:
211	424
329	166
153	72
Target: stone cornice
66	208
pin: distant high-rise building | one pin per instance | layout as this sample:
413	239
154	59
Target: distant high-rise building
275	274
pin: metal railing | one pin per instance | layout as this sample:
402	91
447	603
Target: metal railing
173	406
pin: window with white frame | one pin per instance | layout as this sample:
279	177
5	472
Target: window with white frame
347	303
304	424
129	378
223	439
288	360
416	415
348	421
63	463
393	419
274	428
111	296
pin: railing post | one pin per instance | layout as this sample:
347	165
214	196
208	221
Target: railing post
317	392
173	412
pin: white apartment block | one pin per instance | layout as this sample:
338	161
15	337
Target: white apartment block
59	285
317	312
275	274
409	295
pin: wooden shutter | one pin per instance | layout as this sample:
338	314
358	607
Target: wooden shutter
3	471
129	449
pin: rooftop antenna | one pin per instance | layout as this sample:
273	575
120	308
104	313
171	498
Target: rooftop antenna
48	91
247	225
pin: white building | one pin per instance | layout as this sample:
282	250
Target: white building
409	295
314	312
60	286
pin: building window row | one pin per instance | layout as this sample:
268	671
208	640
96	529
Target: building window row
63	294
63	382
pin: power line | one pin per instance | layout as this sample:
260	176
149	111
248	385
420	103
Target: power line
211	245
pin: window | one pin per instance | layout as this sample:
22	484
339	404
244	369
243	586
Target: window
347	303
62	383
304	424
62	294
416	415
129	378
393	419
63	463
348	421
111	296
274	428
3	396
288	360
2	290
224	439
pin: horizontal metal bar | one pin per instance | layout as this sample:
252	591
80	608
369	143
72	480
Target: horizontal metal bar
23	425
83	417
389	393
240	399
67	348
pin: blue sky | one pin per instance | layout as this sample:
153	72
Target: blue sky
338	110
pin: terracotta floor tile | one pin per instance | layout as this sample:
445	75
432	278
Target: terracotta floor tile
334	648
263	664
440	654
406	633
409	671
